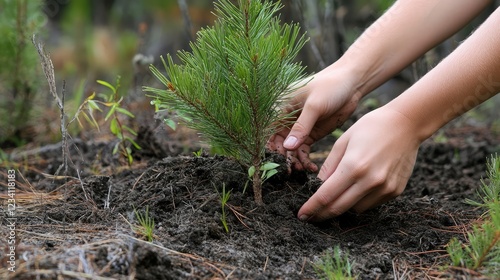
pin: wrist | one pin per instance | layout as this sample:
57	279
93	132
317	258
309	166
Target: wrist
404	123
356	73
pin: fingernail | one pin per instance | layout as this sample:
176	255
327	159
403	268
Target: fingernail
304	218
290	142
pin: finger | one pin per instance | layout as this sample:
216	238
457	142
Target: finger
303	156
334	157
362	195
323	198
372	200
293	161
275	143
301	129
271	143
378	196
343	203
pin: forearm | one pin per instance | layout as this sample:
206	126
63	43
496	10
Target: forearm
463	80
405	32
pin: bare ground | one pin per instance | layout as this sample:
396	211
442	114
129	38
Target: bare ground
71	228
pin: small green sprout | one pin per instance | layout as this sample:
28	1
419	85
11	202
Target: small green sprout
223	201
198	153
269	169
336	267
147	224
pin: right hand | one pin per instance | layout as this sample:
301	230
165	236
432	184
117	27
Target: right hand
323	104
369	164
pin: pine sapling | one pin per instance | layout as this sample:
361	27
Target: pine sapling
483	248
231	85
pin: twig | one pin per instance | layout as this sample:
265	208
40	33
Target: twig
238	215
64	131
106	203
138	179
48	70
81	183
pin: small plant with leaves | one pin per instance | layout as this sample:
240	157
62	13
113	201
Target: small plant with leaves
267	170
231	85
483	249
334	267
146	224
224	198
198	153
120	130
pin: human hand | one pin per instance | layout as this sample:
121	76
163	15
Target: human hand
322	105
368	165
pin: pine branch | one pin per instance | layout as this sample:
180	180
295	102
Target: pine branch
198	107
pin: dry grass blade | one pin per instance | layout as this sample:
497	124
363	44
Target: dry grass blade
48	69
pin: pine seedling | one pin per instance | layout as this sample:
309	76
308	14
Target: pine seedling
231	85
147	224
457	253
334	267
483	248
489	191
198	153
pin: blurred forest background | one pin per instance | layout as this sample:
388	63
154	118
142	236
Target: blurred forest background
105	39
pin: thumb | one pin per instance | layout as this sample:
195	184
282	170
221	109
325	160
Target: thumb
300	130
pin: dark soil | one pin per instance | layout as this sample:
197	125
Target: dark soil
72	229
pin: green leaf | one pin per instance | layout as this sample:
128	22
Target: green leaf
170	123
108	85
269	174
251	171
269	166
133	143
116	147
93	105
130	130
111	112
90	119
114	127
125	112
129	155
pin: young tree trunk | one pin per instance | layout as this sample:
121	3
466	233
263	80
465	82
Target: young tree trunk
257	187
